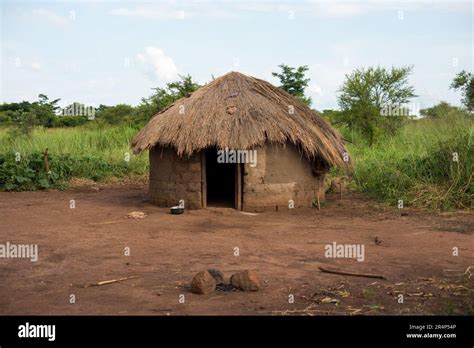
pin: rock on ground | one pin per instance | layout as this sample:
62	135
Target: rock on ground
203	283
246	280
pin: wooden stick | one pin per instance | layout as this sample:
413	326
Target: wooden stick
105	222
319	204
105	282
366	275
46	164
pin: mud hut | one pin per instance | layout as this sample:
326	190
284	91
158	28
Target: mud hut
239	142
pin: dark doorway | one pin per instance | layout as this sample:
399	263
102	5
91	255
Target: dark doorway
220	181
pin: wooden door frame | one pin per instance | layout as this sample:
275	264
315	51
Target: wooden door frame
238	186
203	180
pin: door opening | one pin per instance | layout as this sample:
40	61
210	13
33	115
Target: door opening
221	183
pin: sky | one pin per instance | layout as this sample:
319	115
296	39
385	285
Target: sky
111	52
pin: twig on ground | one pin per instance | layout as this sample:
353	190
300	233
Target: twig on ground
105	282
354	274
105	222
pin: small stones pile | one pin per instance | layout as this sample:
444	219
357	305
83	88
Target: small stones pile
211	280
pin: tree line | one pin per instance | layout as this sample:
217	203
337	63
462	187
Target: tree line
371	100
44	112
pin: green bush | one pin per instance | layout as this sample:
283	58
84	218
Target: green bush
28	173
69	121
419	165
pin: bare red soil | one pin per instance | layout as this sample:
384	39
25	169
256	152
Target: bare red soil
86	245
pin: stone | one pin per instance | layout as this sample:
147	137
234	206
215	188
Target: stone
217	275
246	280
203	283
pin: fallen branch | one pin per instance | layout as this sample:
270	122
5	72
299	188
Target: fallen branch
366	275
105	222
46	163
105	282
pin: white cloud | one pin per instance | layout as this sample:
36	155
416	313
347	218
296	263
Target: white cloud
158	64
315	89
327	77
50	17
35	66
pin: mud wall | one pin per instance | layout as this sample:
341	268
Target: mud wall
173	179
281	174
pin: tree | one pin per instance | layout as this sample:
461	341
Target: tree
464	82
369	97
24	105
44	110
115	114
24	123
293	81
442	109
163	97
44	100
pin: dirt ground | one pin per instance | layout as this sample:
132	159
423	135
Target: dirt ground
87	245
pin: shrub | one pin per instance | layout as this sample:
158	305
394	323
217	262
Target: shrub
28	172
419	165
69	121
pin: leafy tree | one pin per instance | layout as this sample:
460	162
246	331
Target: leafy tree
366	93
294	81
464	81
101	107
44	100
442	109
183	87
163	97
24	122
24	105
69	121
116	114
43	110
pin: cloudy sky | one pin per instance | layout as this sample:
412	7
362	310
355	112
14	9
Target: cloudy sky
109	52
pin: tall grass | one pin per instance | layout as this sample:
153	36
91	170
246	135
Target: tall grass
109	142
92	152
418	166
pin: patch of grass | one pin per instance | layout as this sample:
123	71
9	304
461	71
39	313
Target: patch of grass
450	308
95	153
368	294
430	164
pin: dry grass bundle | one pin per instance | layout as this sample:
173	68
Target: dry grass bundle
241	112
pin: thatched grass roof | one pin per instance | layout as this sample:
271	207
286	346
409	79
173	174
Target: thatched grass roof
240	112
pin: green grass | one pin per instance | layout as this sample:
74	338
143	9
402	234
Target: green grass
109	142
417	166
85	152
